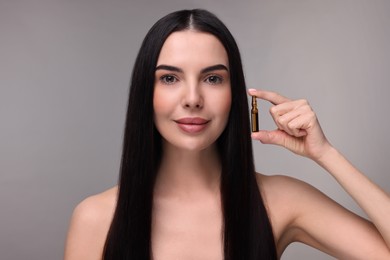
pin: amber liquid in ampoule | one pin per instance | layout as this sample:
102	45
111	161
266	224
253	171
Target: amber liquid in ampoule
254	115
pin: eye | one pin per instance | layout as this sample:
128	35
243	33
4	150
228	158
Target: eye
168	79
214	79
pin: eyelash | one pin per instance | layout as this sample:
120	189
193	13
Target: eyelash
173	79
164	78
218	78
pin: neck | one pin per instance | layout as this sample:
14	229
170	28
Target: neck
188	173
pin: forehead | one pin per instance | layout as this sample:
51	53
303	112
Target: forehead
192	47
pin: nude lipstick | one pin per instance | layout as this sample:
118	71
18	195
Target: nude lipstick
192	125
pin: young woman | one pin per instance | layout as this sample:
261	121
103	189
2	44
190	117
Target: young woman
188	188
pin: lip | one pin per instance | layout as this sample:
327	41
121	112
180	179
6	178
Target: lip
192	124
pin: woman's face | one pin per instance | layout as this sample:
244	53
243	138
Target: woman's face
192	94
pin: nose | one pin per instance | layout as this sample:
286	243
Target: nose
192	98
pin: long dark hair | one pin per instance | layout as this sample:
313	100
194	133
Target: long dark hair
247	232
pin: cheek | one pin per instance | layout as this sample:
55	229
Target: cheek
158	106
224	103
164	104
160	102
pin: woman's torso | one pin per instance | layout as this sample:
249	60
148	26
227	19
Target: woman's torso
190	228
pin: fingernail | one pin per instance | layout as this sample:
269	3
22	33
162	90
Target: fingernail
252	90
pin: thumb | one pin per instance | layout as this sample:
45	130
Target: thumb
276	137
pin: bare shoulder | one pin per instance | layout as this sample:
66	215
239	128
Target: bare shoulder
284	198
89	225
96	208
301	213
278	189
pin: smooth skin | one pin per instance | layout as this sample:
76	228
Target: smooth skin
187	217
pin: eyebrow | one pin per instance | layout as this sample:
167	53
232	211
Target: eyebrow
215	67
205	70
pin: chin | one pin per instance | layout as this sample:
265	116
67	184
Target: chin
190	145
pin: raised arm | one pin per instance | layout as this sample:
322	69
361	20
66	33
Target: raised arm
299	131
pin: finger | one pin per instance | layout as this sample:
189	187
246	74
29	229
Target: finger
283	122
286	107
293	121
270	96
284	113
276	119
276	137
301	124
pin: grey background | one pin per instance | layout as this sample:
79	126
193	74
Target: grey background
64	73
